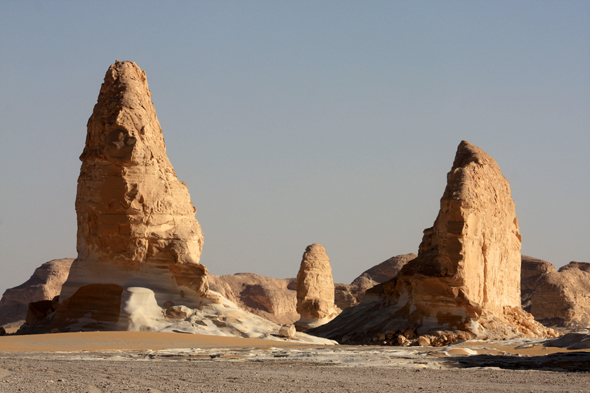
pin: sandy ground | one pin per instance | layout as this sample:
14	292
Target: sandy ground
168	362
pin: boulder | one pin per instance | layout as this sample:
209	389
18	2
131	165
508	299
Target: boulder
287	331
315	289
466	277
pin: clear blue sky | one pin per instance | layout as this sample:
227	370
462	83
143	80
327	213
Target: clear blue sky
300	122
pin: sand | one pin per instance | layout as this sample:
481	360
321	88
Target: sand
171	362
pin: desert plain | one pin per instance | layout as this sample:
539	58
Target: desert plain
171	362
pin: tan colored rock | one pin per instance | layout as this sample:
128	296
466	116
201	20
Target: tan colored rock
136	222
402	340
467	273
315	289
562	298
272	298
44	284
382	272
424	341
139	243
533	273
351	295
287	331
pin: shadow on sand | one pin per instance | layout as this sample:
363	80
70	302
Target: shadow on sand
575	361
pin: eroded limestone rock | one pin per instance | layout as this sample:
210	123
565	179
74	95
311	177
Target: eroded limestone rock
353	293
136	222
561	298
533	272
139	243
272	298
44	284
466	277
315	289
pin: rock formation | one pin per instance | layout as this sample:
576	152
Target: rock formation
465	282
139	243
533	273
557	298
315	289
352	294
44	284
272	298
136	223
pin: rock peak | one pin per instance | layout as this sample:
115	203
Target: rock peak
468	153
137	231
315	288
124	128
466	277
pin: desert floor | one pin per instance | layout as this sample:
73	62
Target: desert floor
168	362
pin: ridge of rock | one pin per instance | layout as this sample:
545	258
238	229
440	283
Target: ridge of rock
559	298
465	281
44	284
533	273
272	298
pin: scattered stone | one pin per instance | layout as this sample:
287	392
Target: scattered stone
424	341
402	340
178	312
578	339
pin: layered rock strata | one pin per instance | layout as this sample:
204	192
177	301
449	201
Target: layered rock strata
315	289
274	299
465	282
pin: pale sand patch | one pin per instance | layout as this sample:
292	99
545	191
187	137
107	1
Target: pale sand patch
496	348
97	341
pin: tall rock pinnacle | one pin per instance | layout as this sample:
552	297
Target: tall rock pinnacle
466	278
136	222
315	289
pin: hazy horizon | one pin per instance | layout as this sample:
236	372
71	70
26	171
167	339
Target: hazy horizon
295	123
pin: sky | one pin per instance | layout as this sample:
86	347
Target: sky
300	122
